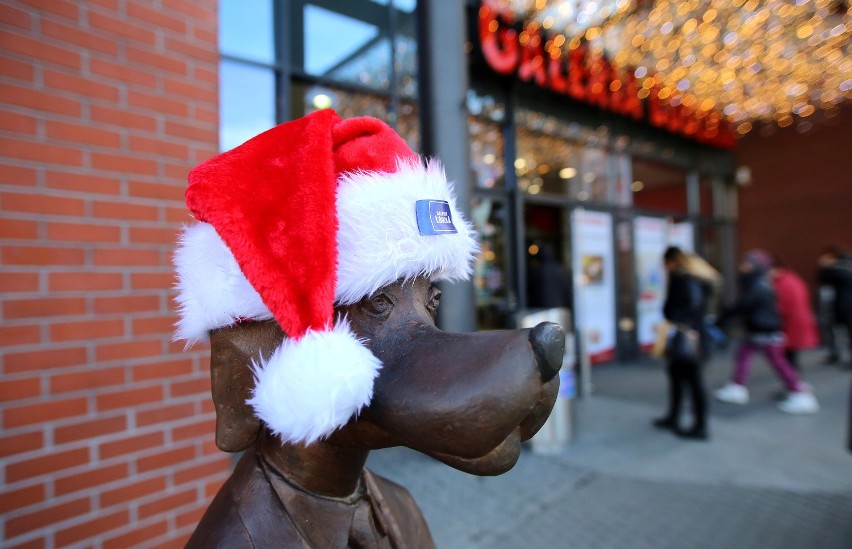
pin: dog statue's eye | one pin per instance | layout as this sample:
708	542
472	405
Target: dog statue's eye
379	306
434	300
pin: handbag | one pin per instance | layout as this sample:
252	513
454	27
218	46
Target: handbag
661	339
684	343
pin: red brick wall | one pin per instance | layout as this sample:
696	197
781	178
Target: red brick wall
107	426
800	197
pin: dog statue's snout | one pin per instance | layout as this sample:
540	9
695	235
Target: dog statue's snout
548	345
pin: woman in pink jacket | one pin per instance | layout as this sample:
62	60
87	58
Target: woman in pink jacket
797	316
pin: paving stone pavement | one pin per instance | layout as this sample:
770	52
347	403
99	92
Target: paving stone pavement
764	480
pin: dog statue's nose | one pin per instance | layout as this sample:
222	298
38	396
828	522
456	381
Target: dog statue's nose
548	345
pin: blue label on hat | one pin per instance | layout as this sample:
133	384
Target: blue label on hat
433	218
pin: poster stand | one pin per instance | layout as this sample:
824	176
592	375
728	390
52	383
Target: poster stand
558	430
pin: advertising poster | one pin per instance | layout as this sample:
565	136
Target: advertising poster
682	235
594	282
651	239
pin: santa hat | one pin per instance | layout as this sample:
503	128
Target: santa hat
312	213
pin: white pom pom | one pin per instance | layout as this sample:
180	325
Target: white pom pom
311	386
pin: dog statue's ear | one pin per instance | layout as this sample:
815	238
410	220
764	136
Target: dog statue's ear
231	352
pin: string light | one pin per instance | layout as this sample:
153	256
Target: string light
766	61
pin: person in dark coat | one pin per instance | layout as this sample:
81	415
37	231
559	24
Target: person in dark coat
548	282
835	271
685	305
757	306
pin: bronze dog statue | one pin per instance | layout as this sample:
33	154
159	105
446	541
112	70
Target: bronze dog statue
332	232
468	400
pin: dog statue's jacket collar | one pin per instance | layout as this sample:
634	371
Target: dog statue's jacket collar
258	508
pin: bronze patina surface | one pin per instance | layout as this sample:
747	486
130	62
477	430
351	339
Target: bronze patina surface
468	400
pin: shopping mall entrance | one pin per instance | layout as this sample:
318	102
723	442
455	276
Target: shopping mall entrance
557	196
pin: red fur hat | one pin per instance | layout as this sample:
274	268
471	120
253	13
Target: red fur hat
312	213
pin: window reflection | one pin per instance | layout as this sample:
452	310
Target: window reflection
489	220
408	124
486	153
405	58
592	183
345	49
309	98
485	107
485	132
559	158
338	50
246	102
348	104
404	5
245	29
548	159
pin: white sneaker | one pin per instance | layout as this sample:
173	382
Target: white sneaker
732	393
799	403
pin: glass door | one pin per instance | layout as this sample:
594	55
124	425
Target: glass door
548	269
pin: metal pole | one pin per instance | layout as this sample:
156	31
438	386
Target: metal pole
443	84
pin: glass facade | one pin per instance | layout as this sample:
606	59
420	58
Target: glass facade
282	60
536	159
341	48
568	179
246	30
490	218
246	102
486	116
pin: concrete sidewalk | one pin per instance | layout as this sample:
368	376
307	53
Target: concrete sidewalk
764	480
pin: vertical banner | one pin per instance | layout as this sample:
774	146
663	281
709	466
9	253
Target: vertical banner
594	282
651	236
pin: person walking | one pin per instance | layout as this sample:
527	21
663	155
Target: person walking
758	308
835	271
797	316
685	306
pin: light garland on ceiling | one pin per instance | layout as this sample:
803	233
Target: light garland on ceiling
769	61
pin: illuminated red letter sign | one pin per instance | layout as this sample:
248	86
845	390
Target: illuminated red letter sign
625	99
499	42
600	79
532	59
588	77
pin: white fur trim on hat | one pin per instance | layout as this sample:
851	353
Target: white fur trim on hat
311	386
212	291
378	241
